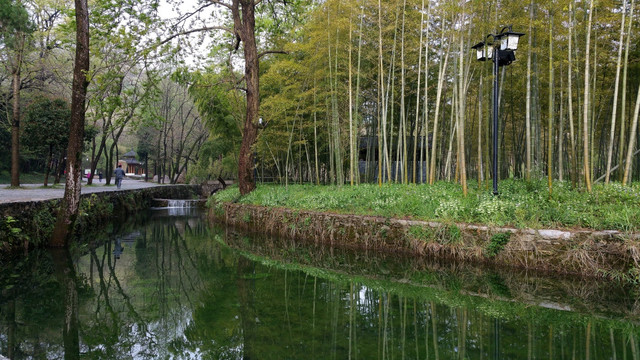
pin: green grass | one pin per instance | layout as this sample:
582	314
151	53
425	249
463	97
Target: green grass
28	178
520	204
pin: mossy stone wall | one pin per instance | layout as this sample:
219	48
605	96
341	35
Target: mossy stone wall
608	254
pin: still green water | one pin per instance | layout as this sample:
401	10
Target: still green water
168	286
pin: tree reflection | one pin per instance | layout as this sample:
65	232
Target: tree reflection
66	275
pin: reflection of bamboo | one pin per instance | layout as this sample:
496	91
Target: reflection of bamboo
286	303
529	341
379	325
613	343
334	321
313	317
463	348
634	349
434	329
426	330
385	317
573	352
550	341
403	323
588	339
415	327
351	311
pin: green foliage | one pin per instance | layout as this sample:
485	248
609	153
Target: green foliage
217	200
497	243
11	233
425	234
44	221
46	126
520	204
14	18
217	155
94	210
454	233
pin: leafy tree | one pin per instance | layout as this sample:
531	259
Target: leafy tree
14	33
46	127
217	155
14	19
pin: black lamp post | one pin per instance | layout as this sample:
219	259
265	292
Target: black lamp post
501	50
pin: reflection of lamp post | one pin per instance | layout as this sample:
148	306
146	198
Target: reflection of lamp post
501	50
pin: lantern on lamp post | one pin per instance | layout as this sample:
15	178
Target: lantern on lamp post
500	49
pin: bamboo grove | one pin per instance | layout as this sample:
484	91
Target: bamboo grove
390	91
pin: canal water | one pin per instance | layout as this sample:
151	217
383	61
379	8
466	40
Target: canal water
166	285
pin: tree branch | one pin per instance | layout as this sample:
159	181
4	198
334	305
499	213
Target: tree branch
272	52
187	32
218	2
184	17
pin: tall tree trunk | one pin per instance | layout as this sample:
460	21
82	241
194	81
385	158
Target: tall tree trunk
381	107
632	142
417	121
244	27
586	104
441	76
528	97
551	109
315	135
461	117
71	200
16	84
352	152
403	117
357	104
623	103
614	110
49	165
335	122
572	137
425	140
561	133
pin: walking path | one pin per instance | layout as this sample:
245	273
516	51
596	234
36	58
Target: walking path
35	192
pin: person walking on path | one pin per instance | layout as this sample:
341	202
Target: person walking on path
119	175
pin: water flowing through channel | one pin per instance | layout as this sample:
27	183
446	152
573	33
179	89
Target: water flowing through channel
167	285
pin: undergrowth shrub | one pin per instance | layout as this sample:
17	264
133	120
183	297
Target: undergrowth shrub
497	243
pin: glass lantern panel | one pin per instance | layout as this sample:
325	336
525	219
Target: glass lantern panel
513	42
504	42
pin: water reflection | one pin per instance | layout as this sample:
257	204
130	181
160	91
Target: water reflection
171	287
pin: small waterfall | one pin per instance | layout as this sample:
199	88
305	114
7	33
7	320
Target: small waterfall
182	203
179	207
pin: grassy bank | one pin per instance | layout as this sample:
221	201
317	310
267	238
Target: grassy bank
520	204
28	178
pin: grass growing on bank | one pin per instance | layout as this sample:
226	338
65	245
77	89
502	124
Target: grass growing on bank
28	178
520	203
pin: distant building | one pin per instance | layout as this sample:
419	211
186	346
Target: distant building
130	164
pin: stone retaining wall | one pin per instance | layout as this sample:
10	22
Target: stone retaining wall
609	254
